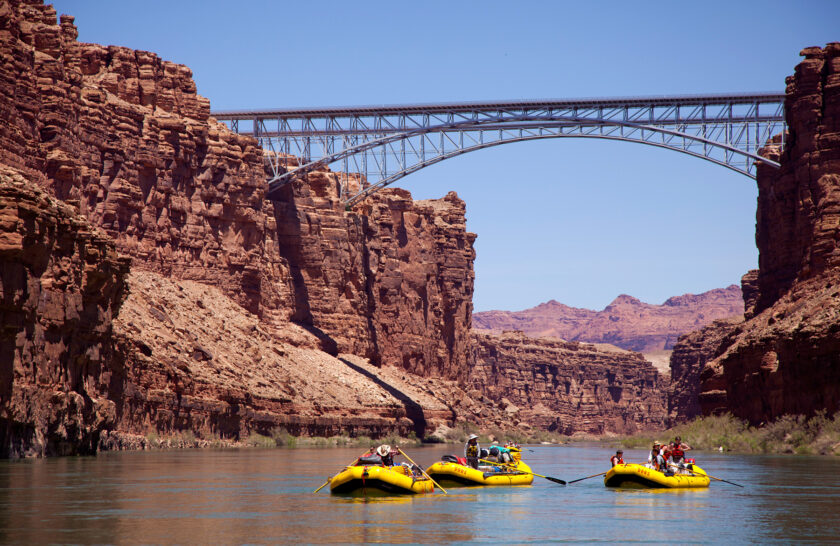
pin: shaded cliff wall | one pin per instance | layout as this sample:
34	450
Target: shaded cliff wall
62	283
786	358
568	387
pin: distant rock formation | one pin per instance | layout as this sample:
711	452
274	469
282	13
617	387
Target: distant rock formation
568	387
626	322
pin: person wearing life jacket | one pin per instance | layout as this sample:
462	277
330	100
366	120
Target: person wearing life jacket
505	456
678	450
472	450
618	458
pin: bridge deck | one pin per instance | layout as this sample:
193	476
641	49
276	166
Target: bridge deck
437	108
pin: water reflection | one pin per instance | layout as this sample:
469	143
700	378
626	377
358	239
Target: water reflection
266	496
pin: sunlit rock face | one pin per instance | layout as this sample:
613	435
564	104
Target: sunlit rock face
62	283
786	356
392	281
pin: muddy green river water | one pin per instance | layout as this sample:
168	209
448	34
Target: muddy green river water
265	496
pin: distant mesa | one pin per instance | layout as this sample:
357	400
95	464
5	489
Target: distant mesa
626	322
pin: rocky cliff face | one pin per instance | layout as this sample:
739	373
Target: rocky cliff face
392	282
124	134
626	322
62	283
785	357
568	387
191	359
691	353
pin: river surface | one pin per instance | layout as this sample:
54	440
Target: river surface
265	496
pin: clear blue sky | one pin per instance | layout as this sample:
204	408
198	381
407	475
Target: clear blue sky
575	220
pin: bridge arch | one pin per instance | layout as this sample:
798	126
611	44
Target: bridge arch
386	143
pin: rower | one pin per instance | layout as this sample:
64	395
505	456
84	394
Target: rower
387	454
678	450
618	458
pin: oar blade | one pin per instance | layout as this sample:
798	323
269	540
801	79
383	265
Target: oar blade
555	480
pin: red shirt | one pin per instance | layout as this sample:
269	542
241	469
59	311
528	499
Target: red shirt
615	459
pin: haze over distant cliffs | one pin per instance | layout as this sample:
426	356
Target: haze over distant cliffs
626	322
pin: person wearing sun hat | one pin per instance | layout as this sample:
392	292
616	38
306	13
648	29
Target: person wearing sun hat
655	458
387	454
471	450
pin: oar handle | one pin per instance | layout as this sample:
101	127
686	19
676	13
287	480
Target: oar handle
423	471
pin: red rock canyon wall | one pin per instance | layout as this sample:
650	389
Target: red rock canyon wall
786	356
230	296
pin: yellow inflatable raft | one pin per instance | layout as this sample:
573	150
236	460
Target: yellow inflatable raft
452	473
637	476
379	480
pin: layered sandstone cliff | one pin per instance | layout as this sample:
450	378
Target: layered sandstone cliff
124	134
392	282
626	322
785	357
62	283
568	387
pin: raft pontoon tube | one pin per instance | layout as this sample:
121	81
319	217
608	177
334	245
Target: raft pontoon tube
456	473
637	476
378	480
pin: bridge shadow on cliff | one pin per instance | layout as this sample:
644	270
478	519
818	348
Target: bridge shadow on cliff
413	410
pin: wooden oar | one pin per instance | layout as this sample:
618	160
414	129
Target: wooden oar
586	478
712	477
555	480
331	477
421	470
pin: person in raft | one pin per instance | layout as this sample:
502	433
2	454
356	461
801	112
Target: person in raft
386	453
678	449
471	451
618	458
656	459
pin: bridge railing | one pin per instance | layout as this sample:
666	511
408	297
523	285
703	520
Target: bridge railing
385	143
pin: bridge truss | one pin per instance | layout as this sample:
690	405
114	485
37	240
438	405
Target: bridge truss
386	143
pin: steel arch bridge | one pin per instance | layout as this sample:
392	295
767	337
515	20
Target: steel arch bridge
386	143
